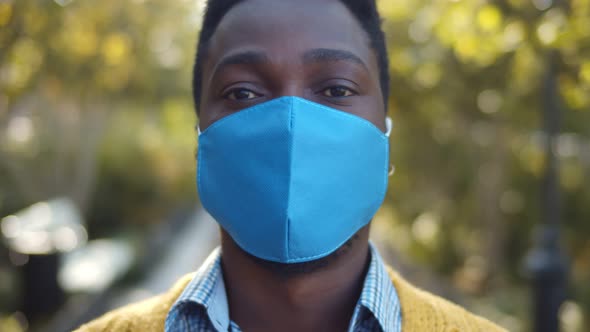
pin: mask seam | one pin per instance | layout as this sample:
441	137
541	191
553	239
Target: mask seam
364	121
385	177
199	161
384	182
338	112
291	148
240	113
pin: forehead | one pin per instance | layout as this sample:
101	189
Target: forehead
286	28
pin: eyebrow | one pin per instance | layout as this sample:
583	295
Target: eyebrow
242	58
332	55
316	55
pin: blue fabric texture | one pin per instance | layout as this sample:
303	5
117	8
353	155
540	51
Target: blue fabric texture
302	176
203	307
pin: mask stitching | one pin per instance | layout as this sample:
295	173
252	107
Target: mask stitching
364	121
246	111
291	148
242	112
199	171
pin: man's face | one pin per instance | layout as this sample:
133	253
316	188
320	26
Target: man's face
313	49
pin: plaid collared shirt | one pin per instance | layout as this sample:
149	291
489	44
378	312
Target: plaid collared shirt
202	306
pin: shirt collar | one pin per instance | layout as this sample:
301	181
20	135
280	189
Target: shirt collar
207	289
379	296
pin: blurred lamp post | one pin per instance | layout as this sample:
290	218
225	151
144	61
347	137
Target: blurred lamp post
36	236
545	263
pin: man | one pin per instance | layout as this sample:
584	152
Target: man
293	164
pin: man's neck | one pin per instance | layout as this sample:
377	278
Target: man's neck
261	299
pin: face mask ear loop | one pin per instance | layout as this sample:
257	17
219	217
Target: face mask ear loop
388	126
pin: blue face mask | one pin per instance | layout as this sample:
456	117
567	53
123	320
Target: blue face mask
291	180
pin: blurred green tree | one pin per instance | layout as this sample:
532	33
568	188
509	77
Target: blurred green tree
468	145
95	104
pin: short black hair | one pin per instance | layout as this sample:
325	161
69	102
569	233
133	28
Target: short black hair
365	11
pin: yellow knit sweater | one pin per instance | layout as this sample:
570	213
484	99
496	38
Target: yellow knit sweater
421	311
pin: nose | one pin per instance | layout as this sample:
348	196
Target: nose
292	88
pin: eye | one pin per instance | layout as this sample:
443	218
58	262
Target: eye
241	94
337	92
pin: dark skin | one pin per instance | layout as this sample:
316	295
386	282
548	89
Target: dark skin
314	49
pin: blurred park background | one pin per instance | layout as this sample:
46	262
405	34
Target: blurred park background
97	147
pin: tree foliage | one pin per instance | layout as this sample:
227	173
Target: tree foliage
467	100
